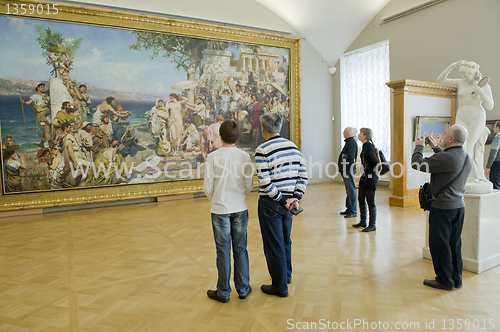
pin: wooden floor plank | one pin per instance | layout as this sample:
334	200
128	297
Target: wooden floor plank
147	267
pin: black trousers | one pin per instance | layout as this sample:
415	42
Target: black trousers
366	196
495	174
445	244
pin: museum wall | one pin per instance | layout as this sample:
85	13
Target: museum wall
424	43
316	82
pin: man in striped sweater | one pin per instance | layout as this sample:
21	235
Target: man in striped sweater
282	183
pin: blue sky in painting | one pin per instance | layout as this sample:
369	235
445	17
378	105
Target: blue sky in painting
432	128
103	59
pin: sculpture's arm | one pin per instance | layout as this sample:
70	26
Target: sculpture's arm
443	77
486	96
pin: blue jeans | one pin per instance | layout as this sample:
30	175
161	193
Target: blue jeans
276	225
350	188
227	228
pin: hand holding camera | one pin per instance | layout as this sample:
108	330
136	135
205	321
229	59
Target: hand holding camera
429	140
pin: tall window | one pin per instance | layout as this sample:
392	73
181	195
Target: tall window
365	99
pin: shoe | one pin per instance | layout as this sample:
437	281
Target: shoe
359	225
458	285
344	212
350	215
434	284
245	296
370	228
214	296
372	224
269	290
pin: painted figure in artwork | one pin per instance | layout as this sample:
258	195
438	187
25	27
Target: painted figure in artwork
41	108
12	165
175	120
82	99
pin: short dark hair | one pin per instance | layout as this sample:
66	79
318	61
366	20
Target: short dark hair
80	86
64	104
66	125
109	100
38	85
229	131
497	124
8	154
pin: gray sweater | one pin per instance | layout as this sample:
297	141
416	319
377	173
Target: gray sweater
494	155
444	166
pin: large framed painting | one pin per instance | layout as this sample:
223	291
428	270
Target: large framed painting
99	105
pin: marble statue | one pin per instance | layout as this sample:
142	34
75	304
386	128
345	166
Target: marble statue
58	94
471	114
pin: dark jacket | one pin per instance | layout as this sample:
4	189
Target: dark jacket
369	160
444	166
349	154
494	155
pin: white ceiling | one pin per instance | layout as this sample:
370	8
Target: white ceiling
329	25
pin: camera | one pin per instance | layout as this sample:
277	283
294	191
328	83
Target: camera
427	140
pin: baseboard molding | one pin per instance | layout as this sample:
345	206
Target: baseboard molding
470	264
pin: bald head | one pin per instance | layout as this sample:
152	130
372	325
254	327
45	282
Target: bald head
459	133
455	135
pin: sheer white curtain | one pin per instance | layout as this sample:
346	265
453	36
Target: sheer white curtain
365	99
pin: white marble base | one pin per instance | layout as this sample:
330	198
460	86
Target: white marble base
478	187
480	245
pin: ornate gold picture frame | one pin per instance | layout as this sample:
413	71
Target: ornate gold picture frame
64	69
434	126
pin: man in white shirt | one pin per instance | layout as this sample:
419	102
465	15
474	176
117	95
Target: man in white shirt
41	107
228	181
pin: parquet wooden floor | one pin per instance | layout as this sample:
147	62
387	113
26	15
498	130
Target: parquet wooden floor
147	267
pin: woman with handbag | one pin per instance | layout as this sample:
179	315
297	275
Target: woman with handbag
368	181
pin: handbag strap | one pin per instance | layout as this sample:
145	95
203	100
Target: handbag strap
453	180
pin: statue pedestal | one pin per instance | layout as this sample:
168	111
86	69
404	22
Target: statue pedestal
480	245
479	187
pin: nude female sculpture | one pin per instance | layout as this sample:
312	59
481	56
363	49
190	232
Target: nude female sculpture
471	114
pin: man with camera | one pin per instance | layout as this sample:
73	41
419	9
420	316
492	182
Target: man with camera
446	214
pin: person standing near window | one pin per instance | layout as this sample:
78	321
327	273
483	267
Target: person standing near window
347	169
368	181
